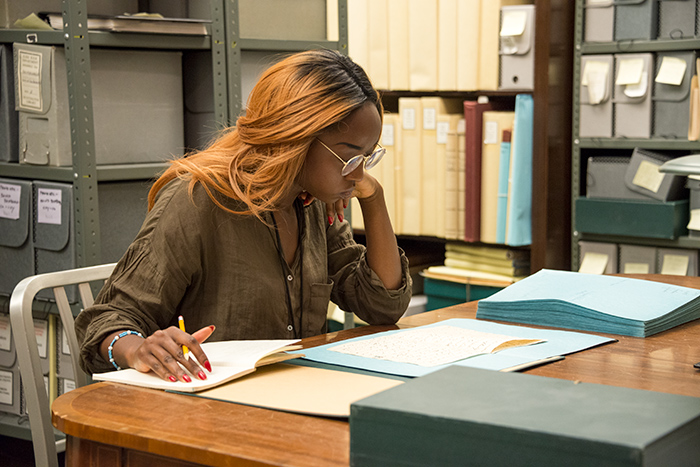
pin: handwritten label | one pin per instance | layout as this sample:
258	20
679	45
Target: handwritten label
442	129
29	76
408	119
9	200
388	134
49	206
5	332
429	118
42	336
6	387
68	385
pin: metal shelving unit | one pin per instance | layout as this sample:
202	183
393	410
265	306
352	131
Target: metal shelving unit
583	146
84	174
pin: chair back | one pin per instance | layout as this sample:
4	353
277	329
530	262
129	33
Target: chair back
46	447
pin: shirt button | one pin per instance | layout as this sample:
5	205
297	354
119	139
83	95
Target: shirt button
290	278
290	328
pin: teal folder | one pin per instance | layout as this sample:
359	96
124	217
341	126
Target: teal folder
467	416
503	175
592	302
519	224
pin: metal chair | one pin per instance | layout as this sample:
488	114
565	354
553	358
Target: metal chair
46	447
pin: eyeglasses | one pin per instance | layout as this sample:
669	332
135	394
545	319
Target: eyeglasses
351	165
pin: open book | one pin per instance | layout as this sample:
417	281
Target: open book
229	360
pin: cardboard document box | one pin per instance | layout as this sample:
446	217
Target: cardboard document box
636	19
677	19
632	95
517	52
672	94
636	259
605	178
8	115
468	416
593	252
677	262
136	97
599	20
596	109
643	176
16	240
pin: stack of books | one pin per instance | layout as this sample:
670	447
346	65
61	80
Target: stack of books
591	302
481	264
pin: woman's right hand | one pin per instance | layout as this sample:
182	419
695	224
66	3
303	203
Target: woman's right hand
161	352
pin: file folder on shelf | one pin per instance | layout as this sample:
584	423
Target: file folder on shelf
643	176
593	252
674	72
636	20
677	261
599	22
632	95
677	19
519	215
596	109
517	53
637	259
17	239
605	178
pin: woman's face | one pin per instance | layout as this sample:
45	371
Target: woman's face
357	134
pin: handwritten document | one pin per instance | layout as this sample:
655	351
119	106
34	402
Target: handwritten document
432	346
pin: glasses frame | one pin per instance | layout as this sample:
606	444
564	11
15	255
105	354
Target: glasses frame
367	162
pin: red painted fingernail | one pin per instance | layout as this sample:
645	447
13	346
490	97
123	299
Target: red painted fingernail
201	375
330	220
340	217
172	378
186	378
207	365
212	327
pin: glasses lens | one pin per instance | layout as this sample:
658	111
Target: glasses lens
374	158
352	164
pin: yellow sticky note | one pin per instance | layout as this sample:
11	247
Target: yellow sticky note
594	263
636	268
648	176
676	265
629	71
671	71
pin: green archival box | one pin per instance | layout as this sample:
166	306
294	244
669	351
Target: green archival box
468	416
633	218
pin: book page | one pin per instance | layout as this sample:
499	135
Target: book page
229	360
431	346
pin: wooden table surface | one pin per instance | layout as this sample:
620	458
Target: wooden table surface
108	423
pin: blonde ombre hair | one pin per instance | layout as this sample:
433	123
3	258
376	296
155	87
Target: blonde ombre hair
258	160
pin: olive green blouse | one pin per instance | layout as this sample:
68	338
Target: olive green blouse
194	259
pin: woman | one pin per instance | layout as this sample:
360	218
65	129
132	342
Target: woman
249	236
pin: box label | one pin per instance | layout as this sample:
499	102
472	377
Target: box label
29	79
9	200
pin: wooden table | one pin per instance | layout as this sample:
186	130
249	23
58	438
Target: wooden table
111	424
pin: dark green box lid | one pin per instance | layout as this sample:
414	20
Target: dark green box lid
468	416
633	218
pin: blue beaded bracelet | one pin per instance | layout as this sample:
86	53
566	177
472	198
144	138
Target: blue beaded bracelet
111	345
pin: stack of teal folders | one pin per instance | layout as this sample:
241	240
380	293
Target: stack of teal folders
590	302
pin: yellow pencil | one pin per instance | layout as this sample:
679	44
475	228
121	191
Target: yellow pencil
181	323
